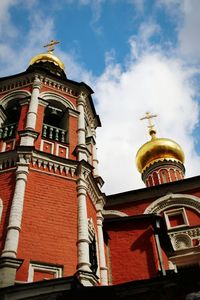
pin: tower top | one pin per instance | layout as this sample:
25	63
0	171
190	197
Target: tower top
48	57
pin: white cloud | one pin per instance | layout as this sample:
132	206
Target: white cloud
186	13
6	27
152	83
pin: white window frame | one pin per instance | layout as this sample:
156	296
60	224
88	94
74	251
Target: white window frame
5	144
61	146
174	212
57	271
50	143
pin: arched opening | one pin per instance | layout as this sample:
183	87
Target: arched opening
55	124
10	111
10	115
56	117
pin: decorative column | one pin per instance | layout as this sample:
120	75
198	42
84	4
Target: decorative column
103	268
94	154
81	128
33	106
8	261
29	135
83	268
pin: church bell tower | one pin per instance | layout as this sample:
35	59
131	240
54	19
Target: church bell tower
50	198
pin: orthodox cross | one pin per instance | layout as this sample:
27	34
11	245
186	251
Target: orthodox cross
149	118
50	45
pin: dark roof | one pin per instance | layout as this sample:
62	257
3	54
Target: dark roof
173	286
181	186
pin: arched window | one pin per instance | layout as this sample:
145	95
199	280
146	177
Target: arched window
56	120
10	120
55	125
10	110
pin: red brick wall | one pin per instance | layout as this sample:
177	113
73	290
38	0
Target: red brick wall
132	251
49	225
73	141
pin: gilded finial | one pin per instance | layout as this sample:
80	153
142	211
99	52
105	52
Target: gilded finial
50	46
151	126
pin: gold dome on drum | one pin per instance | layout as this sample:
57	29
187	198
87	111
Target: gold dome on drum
158	149
49	56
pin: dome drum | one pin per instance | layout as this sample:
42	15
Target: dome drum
166	171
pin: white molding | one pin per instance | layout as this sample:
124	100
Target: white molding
113	213
57	271
42	146
182	239
48	96
1	208
3	149
173	200
20	94
39	160
174	212
94	192
57	150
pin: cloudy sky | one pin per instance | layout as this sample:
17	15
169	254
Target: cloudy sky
137	55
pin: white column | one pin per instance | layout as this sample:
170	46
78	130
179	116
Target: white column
33	106
103	268
81	127
94	153
83	238
14	226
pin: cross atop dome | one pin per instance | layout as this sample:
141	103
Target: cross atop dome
151	126
50	45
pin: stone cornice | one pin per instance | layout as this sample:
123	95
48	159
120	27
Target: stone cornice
47	164
8	160
97	197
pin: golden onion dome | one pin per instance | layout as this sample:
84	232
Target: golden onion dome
158	149
44	57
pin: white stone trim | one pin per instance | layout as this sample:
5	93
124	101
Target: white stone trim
15	217
174	212
44	268
57	150
173	200
50	143
48	96
102	258
19	94
188	235
1	209
113	213
33	105
48	164
5	143
81	126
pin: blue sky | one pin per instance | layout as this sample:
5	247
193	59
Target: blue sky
137	55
